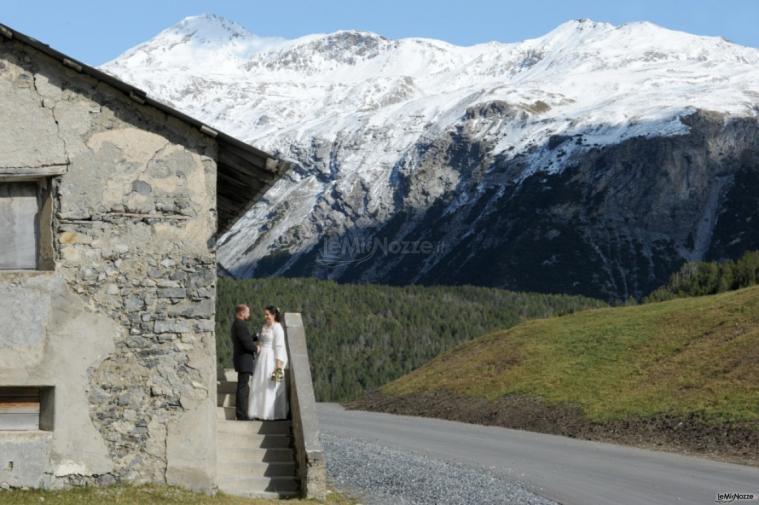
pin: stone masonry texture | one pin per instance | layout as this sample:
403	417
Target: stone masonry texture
123	326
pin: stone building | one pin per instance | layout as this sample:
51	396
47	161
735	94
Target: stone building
110	203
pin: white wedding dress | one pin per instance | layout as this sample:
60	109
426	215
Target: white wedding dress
268	399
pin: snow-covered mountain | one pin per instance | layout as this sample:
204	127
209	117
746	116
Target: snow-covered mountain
594	159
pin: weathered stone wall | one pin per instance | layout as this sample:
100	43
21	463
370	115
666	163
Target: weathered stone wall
123	326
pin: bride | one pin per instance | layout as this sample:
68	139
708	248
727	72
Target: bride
268	397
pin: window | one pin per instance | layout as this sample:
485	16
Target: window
26	408
25	225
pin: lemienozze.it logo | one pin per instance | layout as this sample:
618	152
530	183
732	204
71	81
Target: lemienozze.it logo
356	249
734	497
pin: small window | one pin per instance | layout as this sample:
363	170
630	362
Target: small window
26	408
25	226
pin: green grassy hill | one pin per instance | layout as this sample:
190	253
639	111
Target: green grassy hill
361	336
682	373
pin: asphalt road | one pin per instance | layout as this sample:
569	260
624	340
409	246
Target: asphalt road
570	471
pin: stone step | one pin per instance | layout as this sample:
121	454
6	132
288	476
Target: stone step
256	468
230	375
254	458
261	494
246	428
229	414
225	399
240	453
225	413
242	486
223	387
265	441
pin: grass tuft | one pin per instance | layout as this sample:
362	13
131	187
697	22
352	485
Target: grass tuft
145	495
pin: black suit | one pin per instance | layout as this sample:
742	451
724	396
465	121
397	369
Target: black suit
244	357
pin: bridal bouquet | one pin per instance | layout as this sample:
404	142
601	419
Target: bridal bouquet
278	375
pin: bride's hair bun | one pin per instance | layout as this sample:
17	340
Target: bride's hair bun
275	312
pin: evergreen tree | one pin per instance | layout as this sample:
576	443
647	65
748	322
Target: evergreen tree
699	278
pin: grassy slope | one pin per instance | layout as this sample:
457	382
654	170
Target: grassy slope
143	495
690	355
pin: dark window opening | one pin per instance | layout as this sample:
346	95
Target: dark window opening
24	408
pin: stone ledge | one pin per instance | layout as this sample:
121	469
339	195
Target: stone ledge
305	422
33	172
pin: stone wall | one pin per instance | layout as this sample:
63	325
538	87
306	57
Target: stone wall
123	326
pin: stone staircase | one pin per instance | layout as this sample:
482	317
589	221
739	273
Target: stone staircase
254	458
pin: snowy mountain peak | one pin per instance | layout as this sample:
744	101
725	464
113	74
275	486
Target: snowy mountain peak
207	29
352	42
207	42
576	27
324	52
634	42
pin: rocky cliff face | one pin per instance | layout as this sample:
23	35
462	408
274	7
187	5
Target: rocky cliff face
614	224
593	160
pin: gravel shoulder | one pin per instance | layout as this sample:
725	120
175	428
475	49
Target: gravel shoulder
382	475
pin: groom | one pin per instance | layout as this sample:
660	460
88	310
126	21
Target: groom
244	345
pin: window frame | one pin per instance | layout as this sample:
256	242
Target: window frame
43	222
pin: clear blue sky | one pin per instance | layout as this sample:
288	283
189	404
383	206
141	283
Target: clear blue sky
97	31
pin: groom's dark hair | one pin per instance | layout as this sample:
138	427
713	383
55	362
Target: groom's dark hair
275	312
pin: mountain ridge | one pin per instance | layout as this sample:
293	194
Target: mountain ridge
378	128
